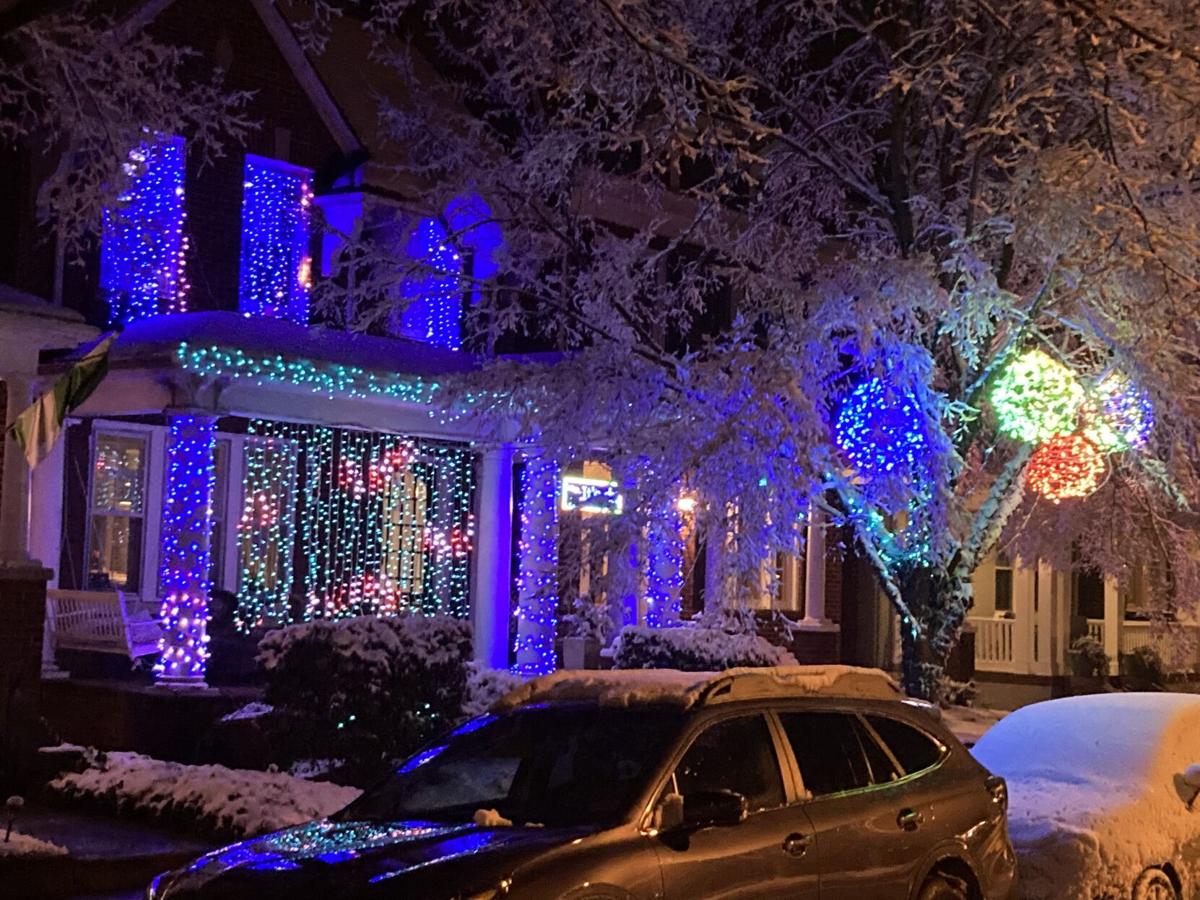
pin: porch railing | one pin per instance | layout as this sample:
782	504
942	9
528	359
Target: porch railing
1179	647
994	650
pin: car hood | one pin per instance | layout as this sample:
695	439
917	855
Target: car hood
425	859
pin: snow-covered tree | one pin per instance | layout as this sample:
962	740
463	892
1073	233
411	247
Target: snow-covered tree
938	224
86	87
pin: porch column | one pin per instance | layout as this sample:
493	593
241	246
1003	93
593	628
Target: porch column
814	571
537	581
45	534
14	487
185	553
1023	617
1112	625
492	580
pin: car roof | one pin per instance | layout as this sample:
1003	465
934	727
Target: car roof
689	690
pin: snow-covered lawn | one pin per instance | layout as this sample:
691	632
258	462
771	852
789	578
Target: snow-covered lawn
238	802
27	845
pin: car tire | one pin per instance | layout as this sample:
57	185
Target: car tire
1154	884
939	887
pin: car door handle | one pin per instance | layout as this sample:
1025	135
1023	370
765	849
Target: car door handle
796	844
909	819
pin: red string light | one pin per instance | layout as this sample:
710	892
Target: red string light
1067	466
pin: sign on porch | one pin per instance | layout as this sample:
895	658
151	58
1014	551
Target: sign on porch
594	495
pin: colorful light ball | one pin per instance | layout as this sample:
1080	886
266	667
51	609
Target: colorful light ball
882	431
1066	467
1120	415
1036	397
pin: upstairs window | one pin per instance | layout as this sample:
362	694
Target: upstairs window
143	252
276	265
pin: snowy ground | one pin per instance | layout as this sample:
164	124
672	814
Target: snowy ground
969	723
214	798
26	845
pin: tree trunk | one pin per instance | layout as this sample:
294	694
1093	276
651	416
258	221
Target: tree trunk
938	601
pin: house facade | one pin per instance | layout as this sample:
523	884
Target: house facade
247	457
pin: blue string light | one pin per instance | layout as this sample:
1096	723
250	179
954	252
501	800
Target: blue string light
882	431
143	253
276	267
432	301
185	550
537	575
664	569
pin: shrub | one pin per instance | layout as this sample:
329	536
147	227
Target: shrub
367	689
1143	669
485	686
956	693
588	620
694	649
1088	658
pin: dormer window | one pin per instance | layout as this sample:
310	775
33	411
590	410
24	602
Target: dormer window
276	264
143	252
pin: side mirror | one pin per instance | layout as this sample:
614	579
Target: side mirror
1191	777
721	808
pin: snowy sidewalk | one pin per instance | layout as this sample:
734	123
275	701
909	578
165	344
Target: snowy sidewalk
968	723
105	854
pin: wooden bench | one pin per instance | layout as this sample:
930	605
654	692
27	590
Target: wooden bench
100	621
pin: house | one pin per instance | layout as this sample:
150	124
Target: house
243	445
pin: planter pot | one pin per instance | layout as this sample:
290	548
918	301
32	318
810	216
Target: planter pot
580	653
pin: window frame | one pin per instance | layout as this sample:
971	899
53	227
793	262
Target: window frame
665	783
806	796
151	514
1003	563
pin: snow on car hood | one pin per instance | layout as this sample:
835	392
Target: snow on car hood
1094	795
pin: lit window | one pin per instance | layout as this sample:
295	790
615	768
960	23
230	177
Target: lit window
143	252
276	266
117	512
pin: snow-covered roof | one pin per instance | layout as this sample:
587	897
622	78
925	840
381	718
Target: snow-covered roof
260	334
635	687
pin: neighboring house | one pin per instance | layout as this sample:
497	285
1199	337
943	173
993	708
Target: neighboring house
331	487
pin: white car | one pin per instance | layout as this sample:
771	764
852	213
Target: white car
1102	795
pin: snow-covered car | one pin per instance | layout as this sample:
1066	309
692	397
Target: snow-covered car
1102	793
755	784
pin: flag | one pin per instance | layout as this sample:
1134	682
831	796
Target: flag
40	424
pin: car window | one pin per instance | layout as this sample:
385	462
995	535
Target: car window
834	752
734	755
913	749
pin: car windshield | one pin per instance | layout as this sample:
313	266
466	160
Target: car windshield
553	766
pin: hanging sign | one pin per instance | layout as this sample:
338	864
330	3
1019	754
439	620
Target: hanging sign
593	495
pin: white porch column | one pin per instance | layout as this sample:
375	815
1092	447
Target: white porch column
1112	625
814	571
537	582
1023	616
186	553
45	533
14	489
492	581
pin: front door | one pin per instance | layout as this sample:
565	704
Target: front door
768	855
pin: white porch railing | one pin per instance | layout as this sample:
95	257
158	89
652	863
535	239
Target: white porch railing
1179	647
994	646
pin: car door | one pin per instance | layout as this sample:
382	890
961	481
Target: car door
764	856
866	833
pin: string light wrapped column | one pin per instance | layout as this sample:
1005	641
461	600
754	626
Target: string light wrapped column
537	579
664	568
185	550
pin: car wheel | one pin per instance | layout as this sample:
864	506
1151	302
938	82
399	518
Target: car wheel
1154	884
939	887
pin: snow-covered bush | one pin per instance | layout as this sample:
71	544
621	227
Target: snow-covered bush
694	649
1143	669
213	799
589	620
367	689
1088	658
485	686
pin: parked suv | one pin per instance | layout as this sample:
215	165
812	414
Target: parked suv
799	783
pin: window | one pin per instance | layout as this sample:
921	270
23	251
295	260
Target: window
117	514
736	755
835	753
1004	583
913	749
276	266
143	251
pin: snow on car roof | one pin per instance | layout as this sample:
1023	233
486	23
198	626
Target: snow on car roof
635	687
